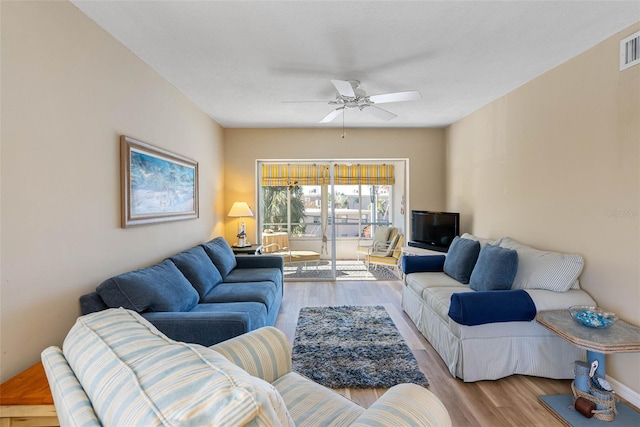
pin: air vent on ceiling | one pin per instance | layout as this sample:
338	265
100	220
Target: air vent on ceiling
630	51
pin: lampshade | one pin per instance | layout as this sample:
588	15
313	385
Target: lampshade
240	209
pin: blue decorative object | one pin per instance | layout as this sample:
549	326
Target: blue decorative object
581	370
593	317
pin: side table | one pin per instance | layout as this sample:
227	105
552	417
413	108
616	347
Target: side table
621	337
247	250
25	400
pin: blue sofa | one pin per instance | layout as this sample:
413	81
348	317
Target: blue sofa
204	295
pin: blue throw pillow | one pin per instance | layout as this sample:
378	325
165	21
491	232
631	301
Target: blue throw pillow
495	270
461	258
161	287
198	268
221	254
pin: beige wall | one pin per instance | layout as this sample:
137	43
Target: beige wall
556	164
423	147
68	91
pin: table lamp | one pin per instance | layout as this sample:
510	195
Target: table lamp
241	210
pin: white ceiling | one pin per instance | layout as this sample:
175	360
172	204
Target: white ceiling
239	60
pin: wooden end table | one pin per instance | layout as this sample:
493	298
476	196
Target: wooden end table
25	400
621	337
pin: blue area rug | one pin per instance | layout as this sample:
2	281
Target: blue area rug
353	347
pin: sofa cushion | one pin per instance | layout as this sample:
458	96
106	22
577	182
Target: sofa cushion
138	376
538	269
262	292
198	268
495	269
421	281
221	254
382	234
241	316
254	275
477	308
461	258
439	298
161	287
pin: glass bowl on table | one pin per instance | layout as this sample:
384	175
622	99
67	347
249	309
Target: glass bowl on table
592	317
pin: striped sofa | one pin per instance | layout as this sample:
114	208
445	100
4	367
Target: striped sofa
116	369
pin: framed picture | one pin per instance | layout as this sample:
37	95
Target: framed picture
157	185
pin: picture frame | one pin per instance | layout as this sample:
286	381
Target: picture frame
157	185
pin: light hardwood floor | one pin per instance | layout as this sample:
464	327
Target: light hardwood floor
511	401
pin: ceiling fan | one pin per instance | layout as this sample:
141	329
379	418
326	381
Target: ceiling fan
350	96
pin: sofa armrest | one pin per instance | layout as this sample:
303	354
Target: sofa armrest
73	406
260	261
91	303
264	353
405	405
204	327
480	307
422	263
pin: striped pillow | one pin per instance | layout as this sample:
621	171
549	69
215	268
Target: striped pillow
539	269
134	375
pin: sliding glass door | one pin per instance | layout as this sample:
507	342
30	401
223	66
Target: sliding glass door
315	213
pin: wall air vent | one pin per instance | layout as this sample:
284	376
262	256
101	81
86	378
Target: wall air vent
630	51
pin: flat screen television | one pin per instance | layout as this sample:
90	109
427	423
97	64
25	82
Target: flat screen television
434	230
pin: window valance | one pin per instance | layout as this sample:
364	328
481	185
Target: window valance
277	174
280	174
370	174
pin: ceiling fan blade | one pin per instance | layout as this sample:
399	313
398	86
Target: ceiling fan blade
379	112
409	95
300	102
332	115
344	88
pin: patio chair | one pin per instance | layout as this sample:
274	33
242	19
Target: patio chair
381	241
389	257
278	244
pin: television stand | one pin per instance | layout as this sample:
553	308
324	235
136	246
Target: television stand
412	250
427	246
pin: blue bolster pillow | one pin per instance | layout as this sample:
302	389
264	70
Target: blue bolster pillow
477	308
422	263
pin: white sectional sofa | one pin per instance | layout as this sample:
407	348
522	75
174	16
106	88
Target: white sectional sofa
493	337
